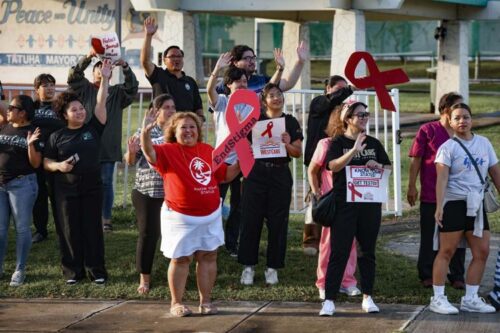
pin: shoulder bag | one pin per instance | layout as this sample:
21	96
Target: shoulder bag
323	209
490	201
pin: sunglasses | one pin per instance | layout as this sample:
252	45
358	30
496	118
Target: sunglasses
362	115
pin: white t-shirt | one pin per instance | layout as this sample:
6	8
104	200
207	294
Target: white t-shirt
463	177
221	129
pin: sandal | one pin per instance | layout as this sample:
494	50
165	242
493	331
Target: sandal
143	288
180	310
107	227
208	309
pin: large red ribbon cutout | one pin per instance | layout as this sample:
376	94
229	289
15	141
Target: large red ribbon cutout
353	190
238	131
377	79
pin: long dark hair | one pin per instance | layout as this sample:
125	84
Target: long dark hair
61	103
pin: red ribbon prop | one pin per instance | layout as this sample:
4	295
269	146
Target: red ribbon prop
377	79
268	130
353	190
238	131
97	45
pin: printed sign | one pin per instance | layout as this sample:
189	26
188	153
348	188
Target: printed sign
266	138
365	184
242	112
107	46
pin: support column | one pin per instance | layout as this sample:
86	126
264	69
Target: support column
453	55
348	36
293	33
179	29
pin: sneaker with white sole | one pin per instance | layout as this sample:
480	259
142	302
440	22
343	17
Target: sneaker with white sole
247	276
439	304
17	278
369	306
310	251
321	294
350	291
476	304
271	276
327	309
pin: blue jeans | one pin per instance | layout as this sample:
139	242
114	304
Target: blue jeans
108	195
17	198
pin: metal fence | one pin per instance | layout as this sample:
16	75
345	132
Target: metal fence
383	124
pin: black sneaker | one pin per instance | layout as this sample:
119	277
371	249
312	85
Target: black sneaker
100	281
71	282
37	238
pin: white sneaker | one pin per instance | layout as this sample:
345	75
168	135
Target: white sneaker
310	251
247	276
271	276
476	304
327	309
350	291
440	304
17	278
321	294
369	306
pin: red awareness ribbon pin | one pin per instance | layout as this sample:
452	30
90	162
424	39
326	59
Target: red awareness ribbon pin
377	79
353	190
268	130
238	131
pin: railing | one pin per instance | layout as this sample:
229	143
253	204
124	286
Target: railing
383	124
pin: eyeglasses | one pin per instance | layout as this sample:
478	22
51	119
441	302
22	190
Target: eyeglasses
362	115
277	95
13	107
249	58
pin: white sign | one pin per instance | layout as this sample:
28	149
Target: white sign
365	184
266	138
107	46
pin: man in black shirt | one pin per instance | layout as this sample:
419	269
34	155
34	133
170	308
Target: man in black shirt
336	91
171	80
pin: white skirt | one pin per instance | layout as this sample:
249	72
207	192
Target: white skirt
182	235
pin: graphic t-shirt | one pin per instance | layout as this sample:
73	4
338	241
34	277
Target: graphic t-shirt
191	187
84	141
47	120
14	159
463	176
426	144
341	145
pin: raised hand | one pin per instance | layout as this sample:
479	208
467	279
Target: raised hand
279	59
121	62
106	68
133	144
302	51
92	53
223	62
358	144
32	137
149	119
150	25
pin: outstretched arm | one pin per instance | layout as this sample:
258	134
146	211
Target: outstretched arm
292	78
279	59
102	93
150	28
223	62
146	143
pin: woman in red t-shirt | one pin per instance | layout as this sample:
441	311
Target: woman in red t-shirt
191	222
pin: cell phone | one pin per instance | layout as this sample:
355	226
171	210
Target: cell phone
74	159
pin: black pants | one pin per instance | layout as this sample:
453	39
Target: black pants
232	229
426	254
41	208
147	213
78	205
360	220
266	194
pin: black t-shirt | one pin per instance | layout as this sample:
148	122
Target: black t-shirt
292	127
84	141
184	90
14	159
47	120
341	145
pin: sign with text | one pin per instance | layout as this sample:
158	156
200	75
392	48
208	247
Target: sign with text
242	112
365	184
107	46
266	138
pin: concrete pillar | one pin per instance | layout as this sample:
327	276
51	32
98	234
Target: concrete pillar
453	55
348	37
293	33
179	29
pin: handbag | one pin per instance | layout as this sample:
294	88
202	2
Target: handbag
323	209
490	201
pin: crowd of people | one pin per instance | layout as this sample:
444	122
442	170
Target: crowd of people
64	148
